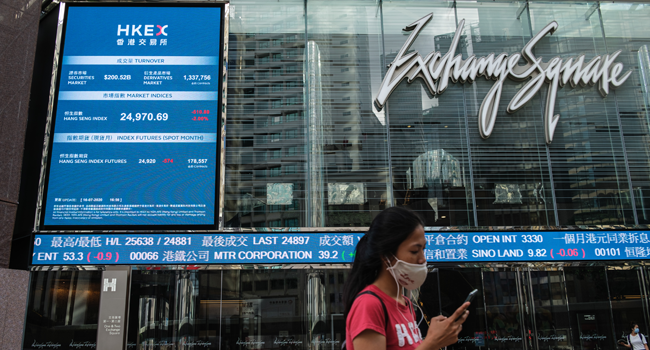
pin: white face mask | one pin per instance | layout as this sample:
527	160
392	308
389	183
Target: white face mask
409	276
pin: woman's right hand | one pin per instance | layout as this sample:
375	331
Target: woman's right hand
443	331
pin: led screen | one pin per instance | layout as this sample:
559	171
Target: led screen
333	247
136	117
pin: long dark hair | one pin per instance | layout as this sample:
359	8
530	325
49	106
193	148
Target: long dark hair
387	231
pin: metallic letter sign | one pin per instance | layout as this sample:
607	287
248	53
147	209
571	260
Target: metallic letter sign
436	70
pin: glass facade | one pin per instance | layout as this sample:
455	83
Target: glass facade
307	148
292	308
63	309
231	309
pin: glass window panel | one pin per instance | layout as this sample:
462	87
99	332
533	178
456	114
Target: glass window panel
589	172
505	325
511	177
444	291
62	310
626	300
429	297
549	299
170	309
627	28
163	309
233	309
589	308
345	138
428	139
255	29
302	309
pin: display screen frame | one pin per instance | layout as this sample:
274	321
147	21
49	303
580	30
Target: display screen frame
39	224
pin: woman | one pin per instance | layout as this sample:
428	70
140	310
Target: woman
636	340
390	257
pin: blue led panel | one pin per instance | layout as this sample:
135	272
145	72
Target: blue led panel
136	118
248	248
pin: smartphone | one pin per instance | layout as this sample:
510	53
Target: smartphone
471	296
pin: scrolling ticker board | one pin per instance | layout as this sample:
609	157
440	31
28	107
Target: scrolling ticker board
336	248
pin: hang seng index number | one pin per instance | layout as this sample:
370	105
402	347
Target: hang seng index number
144	117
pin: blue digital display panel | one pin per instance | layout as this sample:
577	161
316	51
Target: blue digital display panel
259	248
136	121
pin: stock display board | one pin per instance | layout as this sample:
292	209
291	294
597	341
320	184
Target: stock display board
136	117
249	248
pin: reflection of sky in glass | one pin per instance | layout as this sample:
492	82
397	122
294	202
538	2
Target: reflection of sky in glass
569	17
265	18
626	20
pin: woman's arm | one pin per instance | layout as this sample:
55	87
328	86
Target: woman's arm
369	340
443	331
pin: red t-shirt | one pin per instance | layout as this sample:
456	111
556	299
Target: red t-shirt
367	313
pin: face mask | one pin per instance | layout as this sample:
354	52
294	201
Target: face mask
409	276
636	330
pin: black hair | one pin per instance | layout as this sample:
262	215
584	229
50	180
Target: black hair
632	324
387	231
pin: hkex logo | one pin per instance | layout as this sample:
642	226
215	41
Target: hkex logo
138	30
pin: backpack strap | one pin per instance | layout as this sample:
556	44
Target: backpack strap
383	306
628	340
